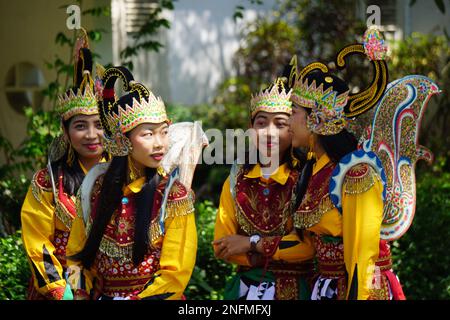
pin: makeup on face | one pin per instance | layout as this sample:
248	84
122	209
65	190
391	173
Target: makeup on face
272	132
150	144
85	135
297	127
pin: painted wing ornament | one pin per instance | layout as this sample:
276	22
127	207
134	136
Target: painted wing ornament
391	147
394	138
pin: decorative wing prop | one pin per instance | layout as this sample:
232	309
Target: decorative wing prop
186	142
392	149
394	138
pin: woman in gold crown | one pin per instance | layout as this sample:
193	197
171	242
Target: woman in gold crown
49	207
135	235
353	263
254	227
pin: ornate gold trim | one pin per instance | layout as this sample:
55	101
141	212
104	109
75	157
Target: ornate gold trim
312	66
62	213
250	228
304	219
360	184
122	253
36	191
181	207
37	188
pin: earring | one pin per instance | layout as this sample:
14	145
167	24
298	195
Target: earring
161	171
311	153
70	156
293	157
134	172
58	148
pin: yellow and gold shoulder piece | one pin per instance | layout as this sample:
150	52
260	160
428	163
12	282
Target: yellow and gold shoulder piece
180	201
41	183
359	179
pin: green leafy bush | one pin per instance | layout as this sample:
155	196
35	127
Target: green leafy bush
14	270
15	173
421	258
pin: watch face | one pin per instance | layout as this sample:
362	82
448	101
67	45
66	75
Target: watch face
255	238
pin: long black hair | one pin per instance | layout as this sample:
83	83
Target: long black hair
110	200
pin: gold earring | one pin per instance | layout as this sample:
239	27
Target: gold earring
134	172
293	157
70	156
161	171
311	153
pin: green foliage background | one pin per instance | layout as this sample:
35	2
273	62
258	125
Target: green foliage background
421	258
14	271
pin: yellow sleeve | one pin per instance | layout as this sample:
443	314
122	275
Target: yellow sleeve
362	208
38	227
226	223
177	261
293	250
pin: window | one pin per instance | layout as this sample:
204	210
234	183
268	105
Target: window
23	85
137	13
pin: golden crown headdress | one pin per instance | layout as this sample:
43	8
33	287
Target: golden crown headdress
82	97
273	100
119	116
332	109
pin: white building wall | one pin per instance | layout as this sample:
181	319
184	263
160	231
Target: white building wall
198	48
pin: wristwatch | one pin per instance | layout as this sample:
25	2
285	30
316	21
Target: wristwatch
254	239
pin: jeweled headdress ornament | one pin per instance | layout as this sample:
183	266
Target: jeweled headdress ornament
81	98
119	116
315	87
330	96
273	100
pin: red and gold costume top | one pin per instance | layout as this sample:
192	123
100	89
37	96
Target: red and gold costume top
356	231
261	206
169	261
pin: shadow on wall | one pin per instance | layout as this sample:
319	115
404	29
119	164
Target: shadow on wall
198	50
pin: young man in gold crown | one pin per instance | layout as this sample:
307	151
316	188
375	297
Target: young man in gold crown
254	227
